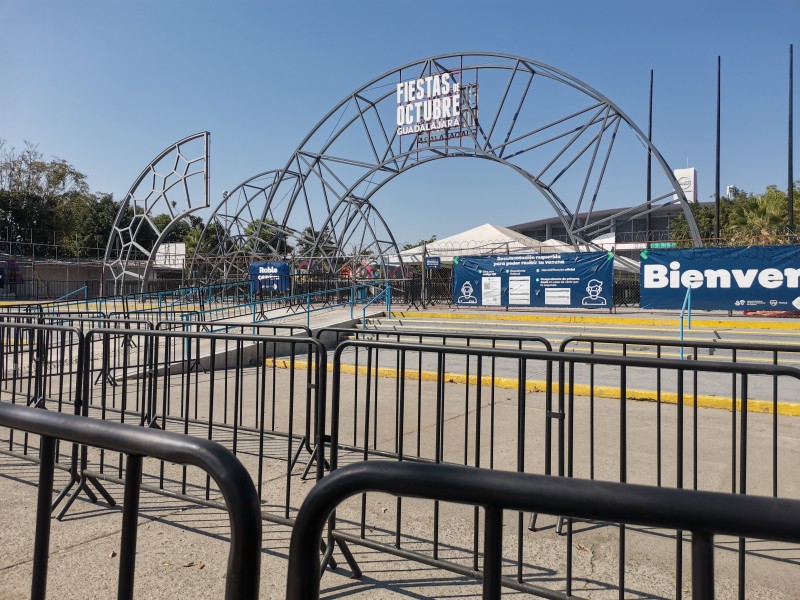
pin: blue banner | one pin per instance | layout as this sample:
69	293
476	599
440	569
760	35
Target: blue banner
269	276
577	280
752	278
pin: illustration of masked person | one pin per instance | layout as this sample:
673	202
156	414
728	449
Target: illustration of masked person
594	288
466	294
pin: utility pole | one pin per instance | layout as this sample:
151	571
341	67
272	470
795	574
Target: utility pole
716	188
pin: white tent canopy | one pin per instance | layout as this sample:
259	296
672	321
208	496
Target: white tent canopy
486	239
493	240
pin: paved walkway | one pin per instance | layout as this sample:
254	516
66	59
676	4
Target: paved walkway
183	550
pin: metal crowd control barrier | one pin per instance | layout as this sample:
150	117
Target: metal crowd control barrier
763	353
40	364
233	481
223	387
704	514
372	420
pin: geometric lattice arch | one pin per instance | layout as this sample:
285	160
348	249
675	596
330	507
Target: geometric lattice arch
174	183
577	149
238	230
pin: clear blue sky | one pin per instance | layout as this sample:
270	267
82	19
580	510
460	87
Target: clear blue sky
107	85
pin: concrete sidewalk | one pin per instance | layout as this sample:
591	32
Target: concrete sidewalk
182	549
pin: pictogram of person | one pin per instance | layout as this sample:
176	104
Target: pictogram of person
594	288
466	294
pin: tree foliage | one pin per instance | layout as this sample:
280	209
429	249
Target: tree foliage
47	204
745	219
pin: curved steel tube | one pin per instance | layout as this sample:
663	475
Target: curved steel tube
244	511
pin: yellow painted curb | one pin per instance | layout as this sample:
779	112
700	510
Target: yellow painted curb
651	321
531	385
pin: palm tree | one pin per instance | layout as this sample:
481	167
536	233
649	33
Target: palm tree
759	220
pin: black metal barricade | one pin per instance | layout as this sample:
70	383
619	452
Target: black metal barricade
704	514
228	388
39	364
711	392
428	413
233	481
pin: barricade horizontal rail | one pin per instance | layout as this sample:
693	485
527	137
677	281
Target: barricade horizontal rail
240	328
332	336
244	557
421	407
704	514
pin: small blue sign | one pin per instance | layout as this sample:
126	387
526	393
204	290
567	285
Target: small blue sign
433	262
269	276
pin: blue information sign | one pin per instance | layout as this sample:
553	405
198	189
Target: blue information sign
752	278
269	276
433	262
578	280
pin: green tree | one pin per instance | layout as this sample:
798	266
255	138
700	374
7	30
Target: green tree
92	234
41	201
316	243
177	233
759	220
272	238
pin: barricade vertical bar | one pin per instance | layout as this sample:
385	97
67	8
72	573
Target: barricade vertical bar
130	515
375	408
694	422
438	451
733	426
702	566
561	386
212	367
591	412
492	553
478	404
658	419
289	437
548	401
775	427
743	482
41	548
679	485
368	401
521	377
401	409
623	461
466	406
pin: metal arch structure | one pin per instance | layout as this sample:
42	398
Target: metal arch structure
573	145
175	183
238	230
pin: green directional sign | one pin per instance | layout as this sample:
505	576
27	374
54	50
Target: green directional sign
662	245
